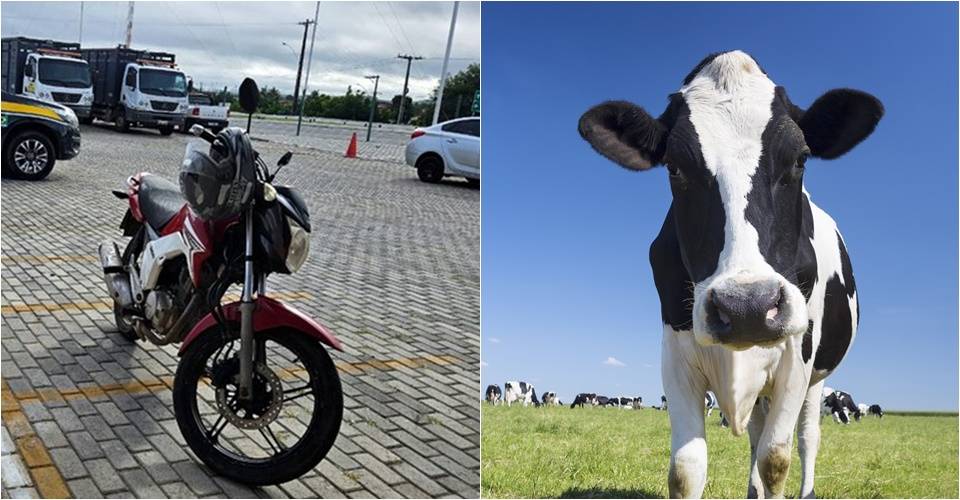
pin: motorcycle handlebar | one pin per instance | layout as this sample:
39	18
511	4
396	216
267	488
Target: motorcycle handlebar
201	132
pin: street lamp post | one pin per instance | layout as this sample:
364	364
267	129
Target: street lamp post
373	102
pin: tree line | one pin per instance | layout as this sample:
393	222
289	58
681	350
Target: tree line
458	97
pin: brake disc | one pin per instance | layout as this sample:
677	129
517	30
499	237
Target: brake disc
262	409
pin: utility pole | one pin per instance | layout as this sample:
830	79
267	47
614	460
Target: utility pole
129	25
373	102
303	48
80	41
306	80
446	59
403	97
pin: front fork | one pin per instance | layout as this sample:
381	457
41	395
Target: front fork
247	350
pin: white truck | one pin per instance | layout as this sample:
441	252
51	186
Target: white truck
204	111
49	71
137	88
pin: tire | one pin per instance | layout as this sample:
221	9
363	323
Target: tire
474	183
29	156
121	123
291	463
430	169
86	121
123	328
166	130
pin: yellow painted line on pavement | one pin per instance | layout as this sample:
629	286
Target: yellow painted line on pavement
107	305
46	477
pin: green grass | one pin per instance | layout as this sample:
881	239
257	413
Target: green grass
598	452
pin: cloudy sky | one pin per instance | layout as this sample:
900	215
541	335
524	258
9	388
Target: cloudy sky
219	43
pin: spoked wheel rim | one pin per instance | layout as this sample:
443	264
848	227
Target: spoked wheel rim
275	421
31	156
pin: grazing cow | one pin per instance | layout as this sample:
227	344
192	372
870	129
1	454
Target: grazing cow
864	409
493	394
549	399
521	392
756	289
710	401
602	401
876	410
629	403
841	405
584	399
637	403
663	403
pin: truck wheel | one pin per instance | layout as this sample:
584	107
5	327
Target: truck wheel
166	130
30	156
121	123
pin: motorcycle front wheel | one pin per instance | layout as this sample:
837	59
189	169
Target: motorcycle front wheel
286	427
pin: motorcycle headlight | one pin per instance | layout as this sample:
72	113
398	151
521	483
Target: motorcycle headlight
299	247
69	116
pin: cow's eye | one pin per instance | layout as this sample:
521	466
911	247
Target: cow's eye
674	172
802	160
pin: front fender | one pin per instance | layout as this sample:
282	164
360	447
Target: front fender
267	315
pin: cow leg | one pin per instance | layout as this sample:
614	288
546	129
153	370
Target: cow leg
758	419
684	386
791	384
808	438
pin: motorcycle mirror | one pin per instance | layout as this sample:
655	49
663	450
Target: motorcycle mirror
249	95
285	159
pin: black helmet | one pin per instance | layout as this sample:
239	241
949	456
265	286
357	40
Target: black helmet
219	184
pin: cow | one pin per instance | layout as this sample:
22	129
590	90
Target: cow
521	392
584	399
627	403
663	403
549	399
841	405
864	409
637	403
493	394
710	401
756	289
876	410
602	401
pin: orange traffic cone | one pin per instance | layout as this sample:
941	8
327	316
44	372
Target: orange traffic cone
352	148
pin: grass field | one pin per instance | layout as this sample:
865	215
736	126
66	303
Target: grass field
608	452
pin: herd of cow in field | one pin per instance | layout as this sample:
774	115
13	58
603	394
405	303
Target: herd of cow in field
839	404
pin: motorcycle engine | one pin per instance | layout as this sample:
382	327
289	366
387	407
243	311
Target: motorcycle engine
161	309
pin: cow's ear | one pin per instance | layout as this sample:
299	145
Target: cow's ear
838	120
624	133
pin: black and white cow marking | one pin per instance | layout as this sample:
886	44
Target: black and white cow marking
521	392
840	405
876	410
584	398
493	394
756	289
710	402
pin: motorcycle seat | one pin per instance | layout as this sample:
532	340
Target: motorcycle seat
159	200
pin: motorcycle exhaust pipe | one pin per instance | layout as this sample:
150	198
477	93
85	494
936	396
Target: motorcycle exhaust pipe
116	279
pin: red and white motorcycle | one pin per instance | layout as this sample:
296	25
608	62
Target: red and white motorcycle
256	395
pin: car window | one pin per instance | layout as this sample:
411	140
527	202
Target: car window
201	100
465	127
131	80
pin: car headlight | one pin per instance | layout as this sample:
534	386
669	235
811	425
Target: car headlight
68	116
182	107
86	99
299	247
145	104
43	94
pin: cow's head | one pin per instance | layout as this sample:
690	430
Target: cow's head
735	148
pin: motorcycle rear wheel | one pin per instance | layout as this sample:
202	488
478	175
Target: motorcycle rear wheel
288	464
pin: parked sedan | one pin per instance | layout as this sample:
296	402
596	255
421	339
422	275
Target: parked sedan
448	148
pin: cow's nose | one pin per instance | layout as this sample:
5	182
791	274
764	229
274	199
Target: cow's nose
746	312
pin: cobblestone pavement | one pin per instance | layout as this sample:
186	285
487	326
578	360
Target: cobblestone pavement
393	271
387	142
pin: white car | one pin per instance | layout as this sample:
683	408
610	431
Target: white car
448	148
204	111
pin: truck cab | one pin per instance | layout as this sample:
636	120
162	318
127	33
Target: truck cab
49	71
154	96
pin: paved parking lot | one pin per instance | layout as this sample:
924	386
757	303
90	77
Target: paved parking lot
387	141
393	271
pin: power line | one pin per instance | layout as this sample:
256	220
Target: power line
225	30
400	25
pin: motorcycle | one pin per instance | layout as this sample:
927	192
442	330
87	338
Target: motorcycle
256	395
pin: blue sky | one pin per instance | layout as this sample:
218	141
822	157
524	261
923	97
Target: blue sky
566	280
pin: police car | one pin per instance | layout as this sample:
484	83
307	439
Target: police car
35	135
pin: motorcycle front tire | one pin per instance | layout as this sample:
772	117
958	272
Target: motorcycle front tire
292	463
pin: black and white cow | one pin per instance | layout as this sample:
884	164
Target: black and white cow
663	403
549	399
602	401
493	394
710	402
584	398
756	289
876	410
521	392
840	405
